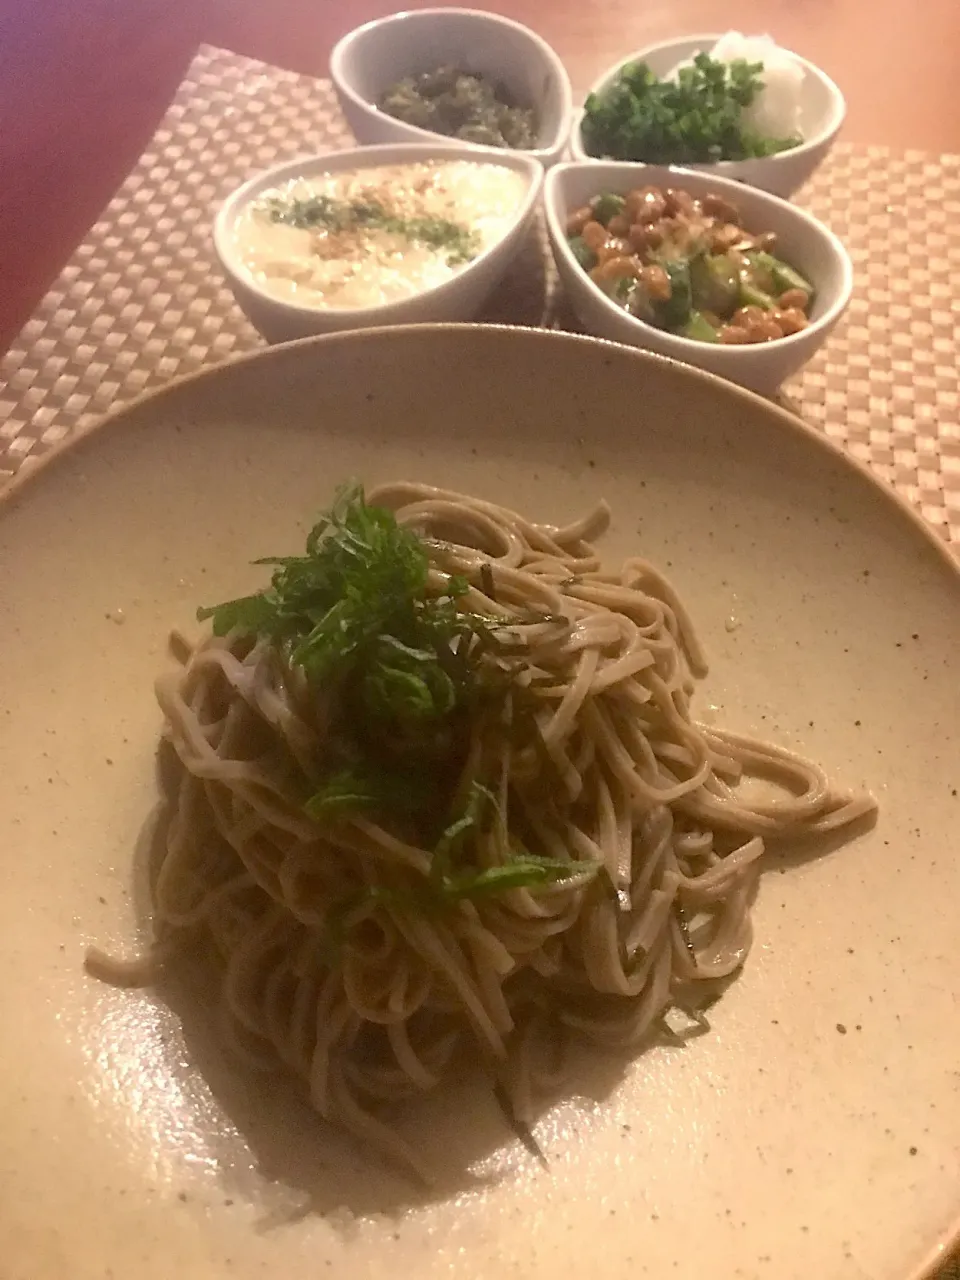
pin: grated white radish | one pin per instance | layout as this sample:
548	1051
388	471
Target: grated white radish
776	111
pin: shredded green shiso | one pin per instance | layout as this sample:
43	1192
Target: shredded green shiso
411	670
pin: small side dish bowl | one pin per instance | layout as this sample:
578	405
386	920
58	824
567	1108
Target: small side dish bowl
375	56
822	112
456	298
803	242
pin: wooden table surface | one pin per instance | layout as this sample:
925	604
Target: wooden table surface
83	84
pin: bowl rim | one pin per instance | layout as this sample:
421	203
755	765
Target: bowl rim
553	188
837	116
365	158
546	51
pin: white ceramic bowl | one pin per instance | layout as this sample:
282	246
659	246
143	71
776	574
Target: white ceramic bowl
456	299
375	56
801	240
822	112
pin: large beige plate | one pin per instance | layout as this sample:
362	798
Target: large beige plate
814	1133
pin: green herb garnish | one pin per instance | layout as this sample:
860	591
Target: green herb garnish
325	212
354	612
403	667
520	870
695	119
352	791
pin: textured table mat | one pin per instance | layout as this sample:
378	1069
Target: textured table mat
142	299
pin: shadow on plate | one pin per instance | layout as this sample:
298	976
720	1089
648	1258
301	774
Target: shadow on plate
461	1135
272	1148
261	1130
524	296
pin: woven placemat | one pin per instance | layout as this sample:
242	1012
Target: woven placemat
142	300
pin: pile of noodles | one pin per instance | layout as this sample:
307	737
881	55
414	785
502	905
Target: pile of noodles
620	775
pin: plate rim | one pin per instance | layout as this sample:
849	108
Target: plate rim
32	470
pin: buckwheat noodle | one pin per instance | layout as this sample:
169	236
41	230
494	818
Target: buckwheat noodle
620	775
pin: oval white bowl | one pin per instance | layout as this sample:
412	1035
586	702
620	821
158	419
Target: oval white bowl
802	240
375	56
822	112
456	299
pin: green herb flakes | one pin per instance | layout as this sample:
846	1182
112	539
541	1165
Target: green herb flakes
320	212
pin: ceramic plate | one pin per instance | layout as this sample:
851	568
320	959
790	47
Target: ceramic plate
815	1132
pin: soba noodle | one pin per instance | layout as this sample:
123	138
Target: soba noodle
332	959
